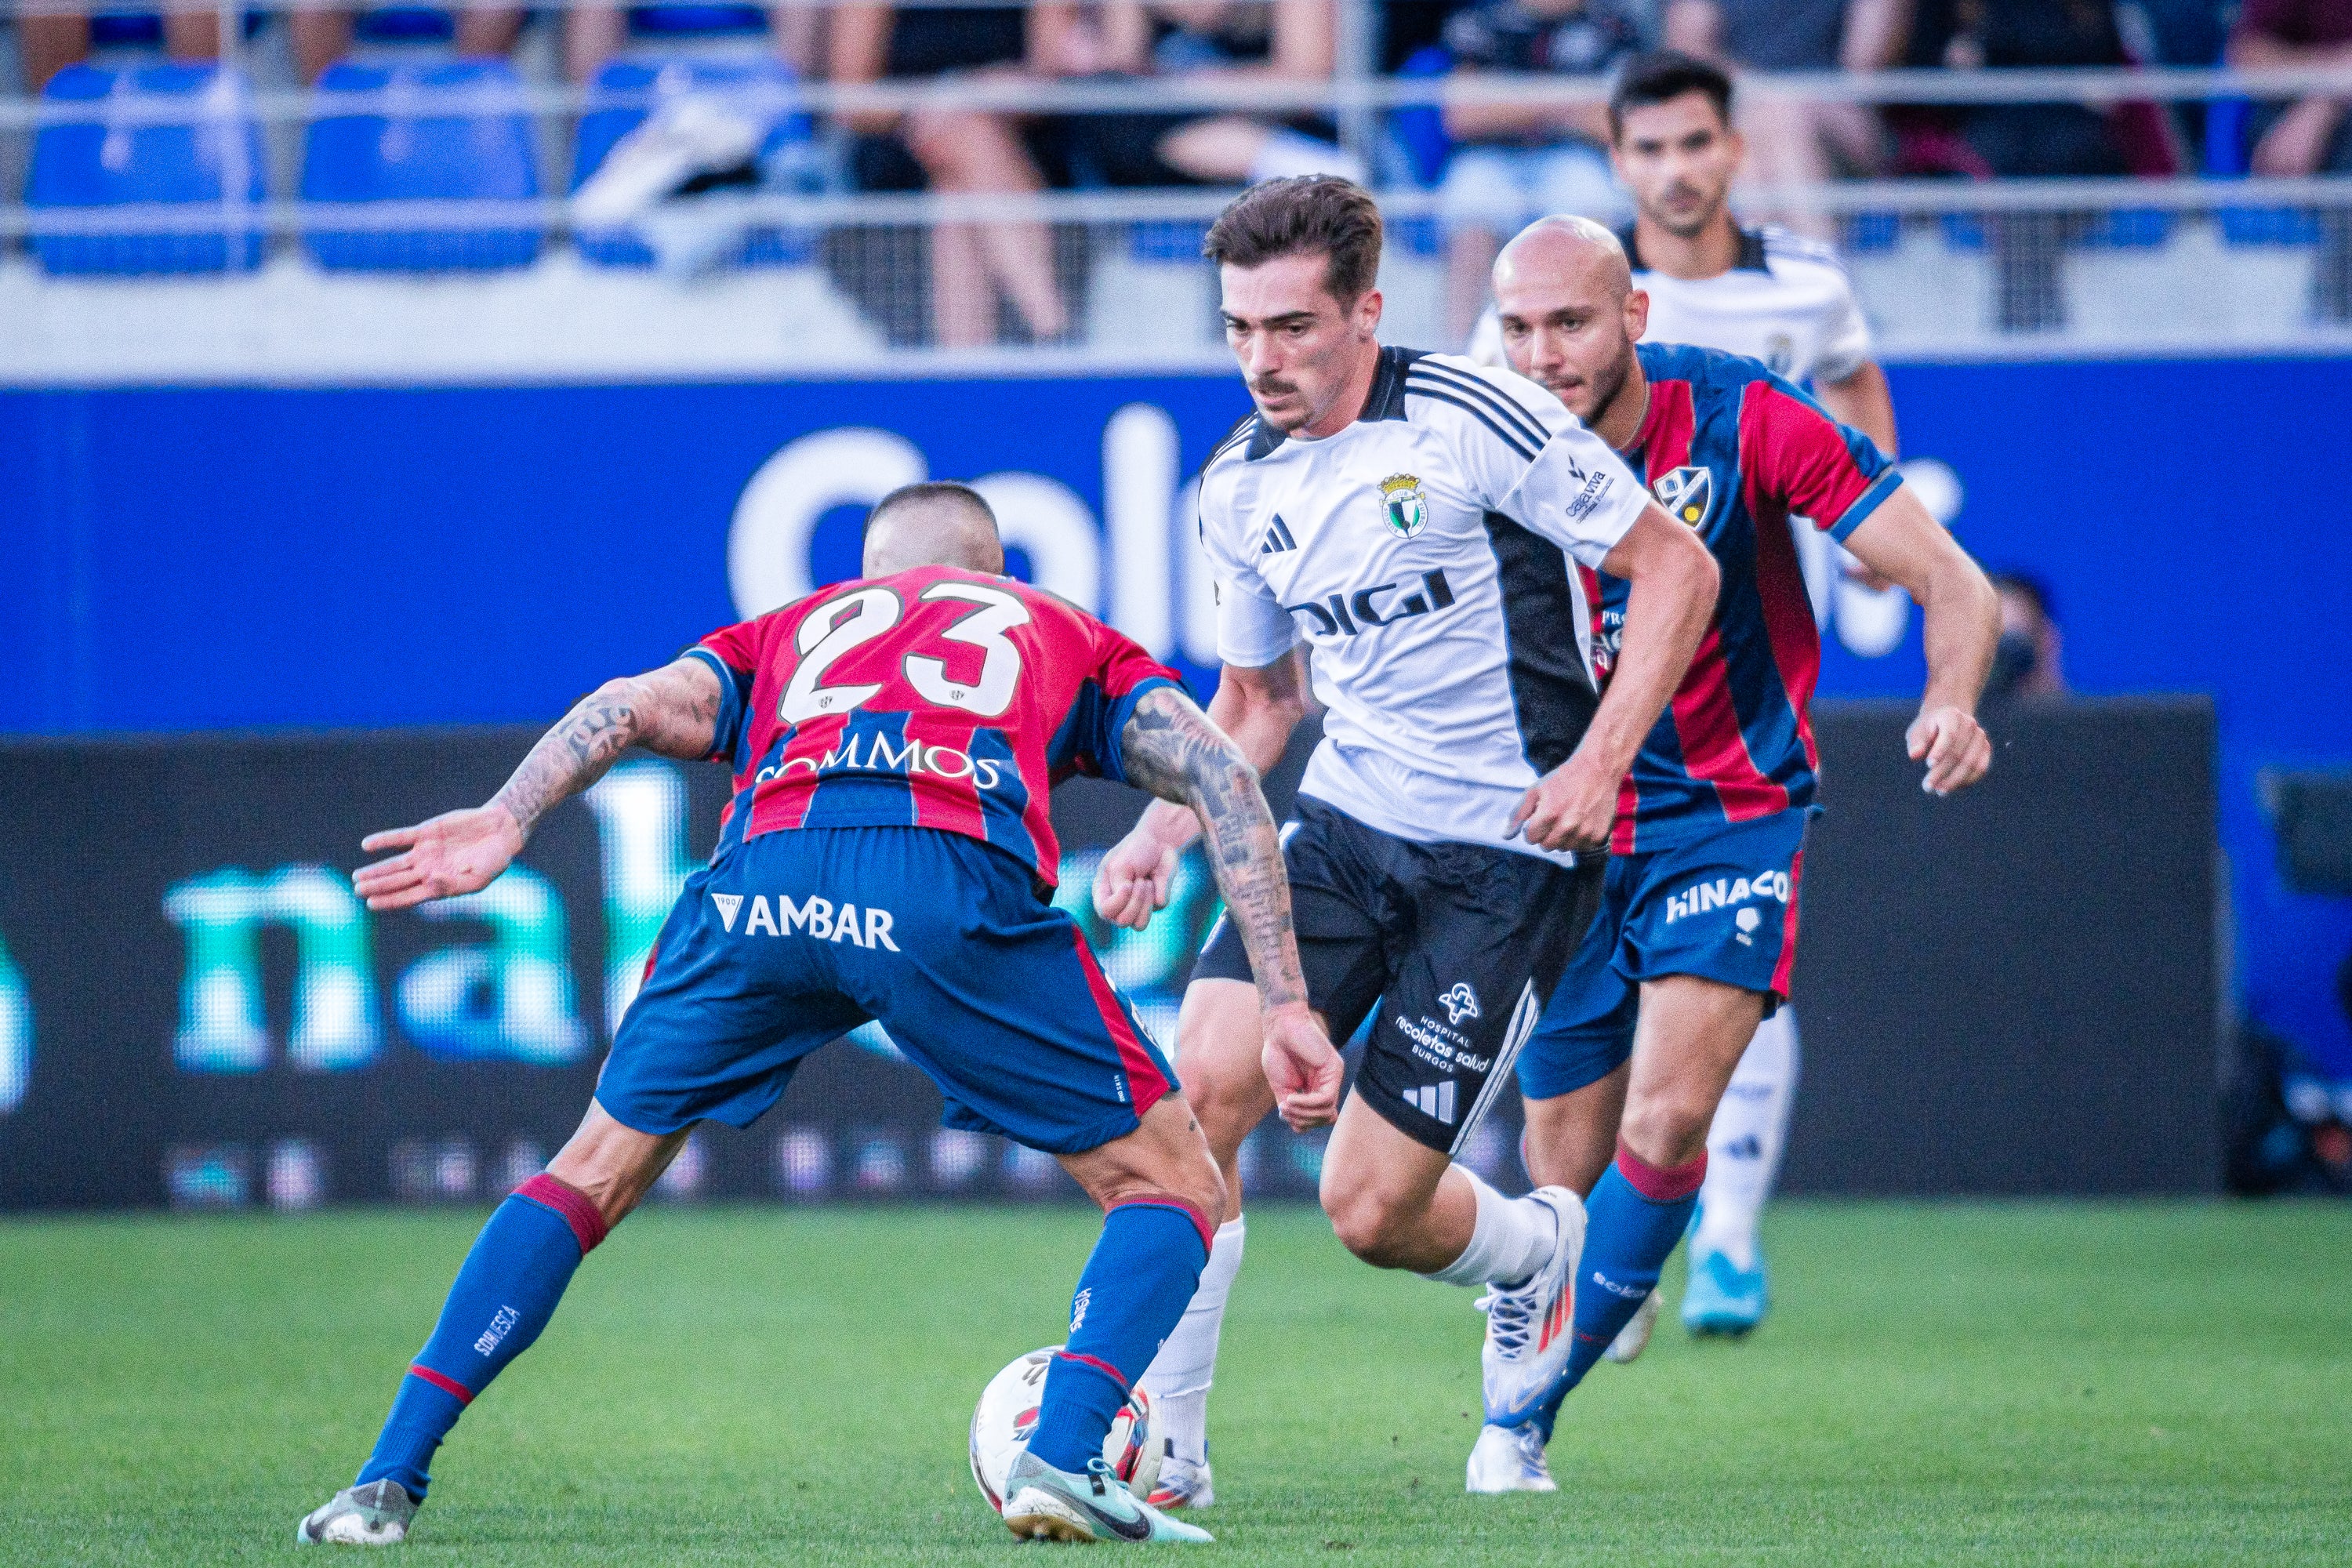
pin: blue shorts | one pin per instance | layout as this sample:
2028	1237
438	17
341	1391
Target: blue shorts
1723	907
793	938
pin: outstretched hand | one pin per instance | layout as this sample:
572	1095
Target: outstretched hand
1132	884
1955	747
1301	1067
456	852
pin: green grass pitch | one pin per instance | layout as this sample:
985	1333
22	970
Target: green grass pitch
1981	1384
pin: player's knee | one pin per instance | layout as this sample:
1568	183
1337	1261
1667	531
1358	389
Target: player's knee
1668	1128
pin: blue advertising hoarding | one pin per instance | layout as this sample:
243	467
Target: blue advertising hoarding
197	559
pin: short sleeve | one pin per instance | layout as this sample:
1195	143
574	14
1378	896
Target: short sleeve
1521	453
1817	468
733	654
1121	676
1253	629
1845	339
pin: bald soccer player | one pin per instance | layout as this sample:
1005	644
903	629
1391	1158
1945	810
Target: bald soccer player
889	855
1762	291
1697	929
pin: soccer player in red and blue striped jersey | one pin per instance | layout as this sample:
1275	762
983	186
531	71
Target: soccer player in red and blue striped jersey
1696	936
887	855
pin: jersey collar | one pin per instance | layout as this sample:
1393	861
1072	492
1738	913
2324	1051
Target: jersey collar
1385	401
1749	259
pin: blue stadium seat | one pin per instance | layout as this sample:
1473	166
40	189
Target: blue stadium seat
2129	228
606	122
1869	234
166	135
453	131
1177	239
1418	132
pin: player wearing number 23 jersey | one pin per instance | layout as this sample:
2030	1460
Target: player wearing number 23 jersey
832	722
936	699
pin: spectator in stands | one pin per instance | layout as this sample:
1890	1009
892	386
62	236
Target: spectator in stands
595	34
1793	141
1512	165
1229	40
957	151
2029	661
2310	135
2039	139
48	44
322	35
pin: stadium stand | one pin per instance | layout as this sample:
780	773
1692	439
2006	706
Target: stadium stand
172	136
1049	216
448	132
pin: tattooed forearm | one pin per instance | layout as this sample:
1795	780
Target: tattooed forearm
1170	749
672	710
573	755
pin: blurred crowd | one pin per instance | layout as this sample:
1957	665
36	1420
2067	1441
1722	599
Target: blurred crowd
1494	166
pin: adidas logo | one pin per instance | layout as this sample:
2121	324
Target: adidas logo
1434	1100
1277	538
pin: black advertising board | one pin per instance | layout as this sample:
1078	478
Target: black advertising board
2011	992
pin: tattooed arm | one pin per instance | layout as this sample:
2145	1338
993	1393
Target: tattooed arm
672	710
1172	750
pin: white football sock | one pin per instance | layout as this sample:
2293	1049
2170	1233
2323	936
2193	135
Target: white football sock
1178	1378
1744	1145
1513	1238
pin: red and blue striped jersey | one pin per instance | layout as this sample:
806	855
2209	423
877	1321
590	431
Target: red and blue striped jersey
936	697
1742	456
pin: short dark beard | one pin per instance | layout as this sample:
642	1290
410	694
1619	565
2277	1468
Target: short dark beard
1613	382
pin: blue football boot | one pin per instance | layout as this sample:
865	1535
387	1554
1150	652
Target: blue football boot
1722	1297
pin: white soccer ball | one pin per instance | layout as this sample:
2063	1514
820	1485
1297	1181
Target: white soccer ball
1007	1413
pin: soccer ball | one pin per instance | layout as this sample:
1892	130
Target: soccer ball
1008	1414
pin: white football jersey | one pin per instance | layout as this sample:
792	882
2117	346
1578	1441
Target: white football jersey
1785	301
1423	553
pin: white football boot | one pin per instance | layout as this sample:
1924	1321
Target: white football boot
1528	1327
376	1514
1634	1337
1510	1459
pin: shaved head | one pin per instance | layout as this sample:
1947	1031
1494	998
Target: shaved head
935	524
1565	249
1570	316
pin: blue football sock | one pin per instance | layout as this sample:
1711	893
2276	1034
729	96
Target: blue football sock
1635	1215
503	1296
1136	1286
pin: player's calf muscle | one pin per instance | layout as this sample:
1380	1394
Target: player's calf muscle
1217	1046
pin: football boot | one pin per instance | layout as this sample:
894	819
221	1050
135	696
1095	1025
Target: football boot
1722	1297
1043	1503
376	1514
1510	1459
1528	1326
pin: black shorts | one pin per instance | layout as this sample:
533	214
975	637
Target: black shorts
1459	944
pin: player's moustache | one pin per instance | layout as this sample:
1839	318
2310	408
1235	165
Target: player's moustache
1268	387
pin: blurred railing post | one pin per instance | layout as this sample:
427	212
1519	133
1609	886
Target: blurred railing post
1356	67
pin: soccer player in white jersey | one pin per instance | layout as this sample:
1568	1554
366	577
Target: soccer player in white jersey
1771	296
1422	526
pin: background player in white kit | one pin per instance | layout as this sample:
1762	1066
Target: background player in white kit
1772	296
1424	527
